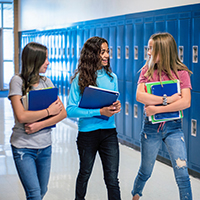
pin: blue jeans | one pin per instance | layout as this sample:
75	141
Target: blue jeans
106	143
151	138
33	167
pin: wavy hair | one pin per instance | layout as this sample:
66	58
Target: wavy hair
90	62
165	47
33	57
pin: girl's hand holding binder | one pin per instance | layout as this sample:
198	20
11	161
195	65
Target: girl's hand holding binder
111	110
55	108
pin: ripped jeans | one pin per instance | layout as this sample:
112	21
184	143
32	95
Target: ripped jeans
33	167
151	139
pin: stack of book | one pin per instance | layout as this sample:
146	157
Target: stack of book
167	88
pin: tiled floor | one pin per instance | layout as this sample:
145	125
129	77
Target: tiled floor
161	185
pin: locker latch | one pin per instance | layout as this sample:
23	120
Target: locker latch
118	52
194	127
195	54
127	52
145	52
136	52
181	53
126	108
111	52
135	111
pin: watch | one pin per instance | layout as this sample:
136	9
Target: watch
164	100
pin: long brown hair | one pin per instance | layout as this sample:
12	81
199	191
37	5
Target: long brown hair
90	62
33	57
165	47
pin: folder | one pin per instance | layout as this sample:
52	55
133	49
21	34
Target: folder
40	99
169	88
95	97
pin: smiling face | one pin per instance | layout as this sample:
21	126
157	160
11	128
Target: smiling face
43	68
104	54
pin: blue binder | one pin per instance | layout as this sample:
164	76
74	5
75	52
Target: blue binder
95	97
42	99
168	89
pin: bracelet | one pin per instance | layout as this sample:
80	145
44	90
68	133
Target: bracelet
164	99
47	111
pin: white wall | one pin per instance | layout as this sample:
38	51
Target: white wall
48	14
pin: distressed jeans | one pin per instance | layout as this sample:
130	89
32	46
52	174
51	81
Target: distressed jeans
172	135
105	142
33	167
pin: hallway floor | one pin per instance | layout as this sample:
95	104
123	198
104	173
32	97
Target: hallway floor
161	185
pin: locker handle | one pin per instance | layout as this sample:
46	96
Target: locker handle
194	127
118	52
181	53
195	54
127	52
136	52
126	108
135	111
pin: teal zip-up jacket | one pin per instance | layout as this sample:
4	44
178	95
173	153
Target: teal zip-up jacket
87	122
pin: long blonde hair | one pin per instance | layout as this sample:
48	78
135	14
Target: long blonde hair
165	47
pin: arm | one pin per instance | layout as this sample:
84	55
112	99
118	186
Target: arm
24	116
72	108
36	126
181	104
149	99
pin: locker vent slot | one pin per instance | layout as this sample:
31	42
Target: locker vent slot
194	127
118	52
181	53
145	52
136	52
126	108
195	54
68	52
135	111
127	52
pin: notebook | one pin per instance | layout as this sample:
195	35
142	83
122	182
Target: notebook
95	97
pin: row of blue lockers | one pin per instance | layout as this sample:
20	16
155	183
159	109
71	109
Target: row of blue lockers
128	37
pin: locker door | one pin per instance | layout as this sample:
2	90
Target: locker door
80	38
171	25
73	50
138	63
160	24
128	112
195	51
92	31
98	30
86	33
120	73
105	33
112	46
183	45
194	137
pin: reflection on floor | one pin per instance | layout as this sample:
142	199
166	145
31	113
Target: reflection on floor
65	167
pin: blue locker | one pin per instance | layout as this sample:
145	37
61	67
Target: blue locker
80	41
195	51
92	30
112	46
128	112
183	45
86	33
120	68
120	74
138	63
194	136
73	50
98	30
171	25
105	32
160	23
